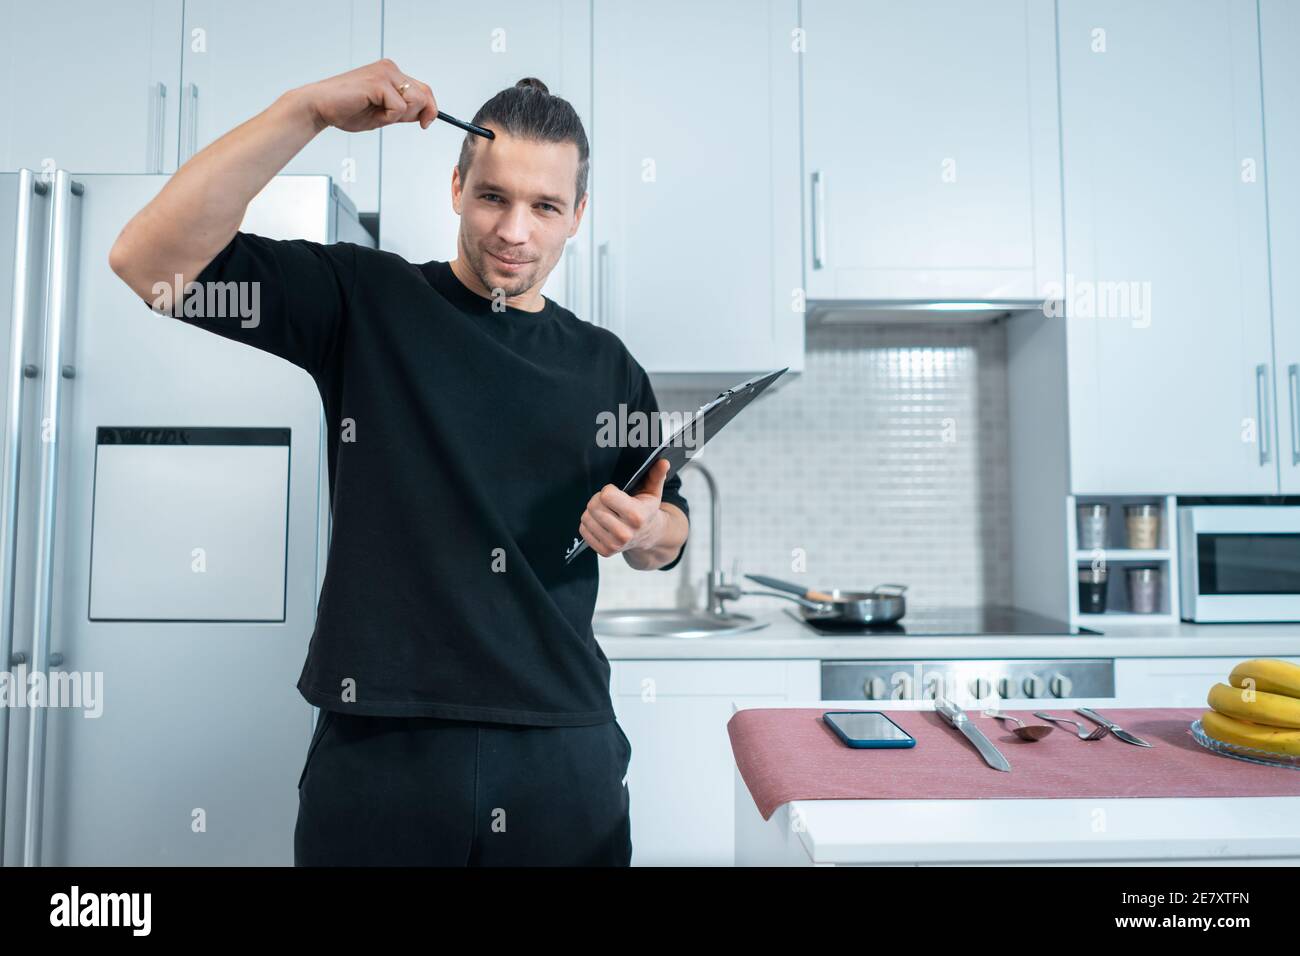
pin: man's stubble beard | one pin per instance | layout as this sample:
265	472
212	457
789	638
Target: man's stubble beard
478	257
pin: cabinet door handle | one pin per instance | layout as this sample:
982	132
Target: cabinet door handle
818	220
571	276
1261	402
157	129
602	294
192	125
1293	397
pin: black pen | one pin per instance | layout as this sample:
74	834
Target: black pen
467	127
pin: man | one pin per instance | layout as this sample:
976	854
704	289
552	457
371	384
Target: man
466	714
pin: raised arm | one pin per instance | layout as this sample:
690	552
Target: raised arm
200	208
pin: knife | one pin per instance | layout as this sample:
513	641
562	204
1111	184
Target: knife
957	717
1115	729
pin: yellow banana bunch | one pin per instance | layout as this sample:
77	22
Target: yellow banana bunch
1245	734
1259	707
1268	675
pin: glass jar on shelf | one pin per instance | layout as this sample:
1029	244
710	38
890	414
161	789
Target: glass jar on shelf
1142	526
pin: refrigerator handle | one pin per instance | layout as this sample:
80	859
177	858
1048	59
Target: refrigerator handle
29	186
60	274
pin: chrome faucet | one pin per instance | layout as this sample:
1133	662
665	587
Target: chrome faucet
717	586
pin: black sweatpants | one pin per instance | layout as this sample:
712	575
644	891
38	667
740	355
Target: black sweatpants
422	791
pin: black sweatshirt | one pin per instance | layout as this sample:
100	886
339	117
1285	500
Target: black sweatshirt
463	448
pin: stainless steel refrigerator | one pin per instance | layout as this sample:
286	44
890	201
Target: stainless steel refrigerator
164	520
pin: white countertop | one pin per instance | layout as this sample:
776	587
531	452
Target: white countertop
785	638
1185	830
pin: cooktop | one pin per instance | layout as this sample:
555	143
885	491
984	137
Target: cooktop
951	622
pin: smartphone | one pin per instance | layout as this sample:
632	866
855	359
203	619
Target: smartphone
867	728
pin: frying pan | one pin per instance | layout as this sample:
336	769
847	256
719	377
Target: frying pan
877	606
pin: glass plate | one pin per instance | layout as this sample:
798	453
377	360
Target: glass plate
1242	753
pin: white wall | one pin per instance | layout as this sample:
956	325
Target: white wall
850	462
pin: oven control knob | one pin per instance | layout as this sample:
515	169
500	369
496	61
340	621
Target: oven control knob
1007	688
981	687
875	689
1034	686
1061	685
902	687
933	687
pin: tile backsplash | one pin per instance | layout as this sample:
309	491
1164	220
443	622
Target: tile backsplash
885	462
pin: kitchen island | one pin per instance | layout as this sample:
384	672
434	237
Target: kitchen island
674	697
1092	831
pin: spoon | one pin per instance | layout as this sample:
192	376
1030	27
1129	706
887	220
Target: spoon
1031	733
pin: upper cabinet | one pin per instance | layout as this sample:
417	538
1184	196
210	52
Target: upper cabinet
1279	22
931	167
240	55
90	87
1137	165
136	87
689	246
695	184
467	54
1170	362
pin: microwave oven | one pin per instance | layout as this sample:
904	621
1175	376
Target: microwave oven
1239	563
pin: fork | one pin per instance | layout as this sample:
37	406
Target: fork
1095	734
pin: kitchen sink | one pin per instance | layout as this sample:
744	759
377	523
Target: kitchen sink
668	622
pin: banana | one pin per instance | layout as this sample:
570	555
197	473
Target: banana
1230	730
1269	675
1271	710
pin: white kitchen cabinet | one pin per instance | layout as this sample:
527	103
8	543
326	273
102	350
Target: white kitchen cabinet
1174	681
240	55
695	191
90	87
681	776
931	155
467	54
1279	23
1168	335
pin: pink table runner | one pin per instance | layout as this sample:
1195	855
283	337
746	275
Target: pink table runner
790	754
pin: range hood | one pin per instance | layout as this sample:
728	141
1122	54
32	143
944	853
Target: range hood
877	312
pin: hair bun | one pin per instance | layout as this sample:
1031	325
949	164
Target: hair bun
531	82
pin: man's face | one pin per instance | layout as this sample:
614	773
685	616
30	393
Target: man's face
516	210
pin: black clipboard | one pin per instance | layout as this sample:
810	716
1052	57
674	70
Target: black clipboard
682	445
